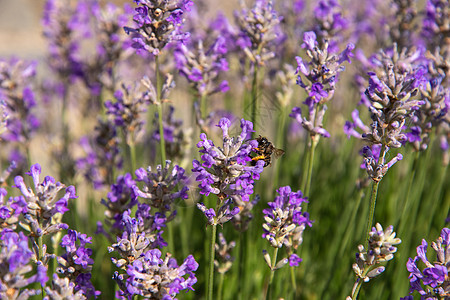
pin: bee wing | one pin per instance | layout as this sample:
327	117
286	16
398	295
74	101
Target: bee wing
277	153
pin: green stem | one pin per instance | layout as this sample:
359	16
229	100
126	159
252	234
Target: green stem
293	282
203	106
307	187
170	243
373	198
132	148
220	288
40	257
254	107
272	274
211	262
162	141
280	143
241	275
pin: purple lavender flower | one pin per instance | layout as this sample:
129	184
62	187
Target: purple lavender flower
152	277
330	24
102	155
393	85
128	111
143	266
285	221
223	259
76	263
202	67
375	170
118	201
242	220
63	288
18	100
259	31
15	262
64	27
157	24
224	171
9	217
435	22
432	281
162	188
109	21
380	249
42	203
322	73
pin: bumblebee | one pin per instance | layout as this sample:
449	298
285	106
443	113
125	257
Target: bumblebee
264	151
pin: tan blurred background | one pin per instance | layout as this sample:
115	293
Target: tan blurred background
21	31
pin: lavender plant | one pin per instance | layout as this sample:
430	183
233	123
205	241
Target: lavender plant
16	264
285	222
225	173
146	274
157	24
76	262
321	72
431	282
18	104
369	261
42	208
258	34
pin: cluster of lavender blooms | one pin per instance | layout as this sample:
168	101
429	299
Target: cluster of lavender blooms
63	288
178	138
322	74
259	31
157	23
224	171
202	67
41	207
15	263
159	189
3	117
329	23
19	122
143	272
380	249
109	20
76	262
284	225
390	97
434	114
119	200
102	155
127	111
39	211
223	259
65	25
432	282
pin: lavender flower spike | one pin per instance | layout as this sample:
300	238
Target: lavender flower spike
224	171
380	249
162	188
157	23
42	203
76	263
431	282
15	259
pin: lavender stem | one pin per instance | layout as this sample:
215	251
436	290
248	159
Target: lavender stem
211	262
272	273
160	112
254	111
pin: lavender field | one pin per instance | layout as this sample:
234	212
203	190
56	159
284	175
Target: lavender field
193	149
